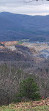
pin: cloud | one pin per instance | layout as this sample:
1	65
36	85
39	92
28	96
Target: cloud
25	7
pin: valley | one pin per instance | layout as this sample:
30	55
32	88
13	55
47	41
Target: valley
24	55
36	49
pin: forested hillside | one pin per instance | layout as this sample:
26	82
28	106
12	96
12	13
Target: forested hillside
17	26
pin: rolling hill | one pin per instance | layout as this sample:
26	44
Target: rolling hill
17	27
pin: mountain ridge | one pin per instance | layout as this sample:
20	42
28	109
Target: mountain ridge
17	26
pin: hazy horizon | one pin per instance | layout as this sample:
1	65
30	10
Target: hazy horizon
28	7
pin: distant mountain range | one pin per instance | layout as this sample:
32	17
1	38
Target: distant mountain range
16	27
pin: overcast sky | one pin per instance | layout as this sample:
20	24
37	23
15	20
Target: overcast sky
29	7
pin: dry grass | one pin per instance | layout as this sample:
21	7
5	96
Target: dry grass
42	105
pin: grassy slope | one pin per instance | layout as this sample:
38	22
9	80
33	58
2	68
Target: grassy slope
26	106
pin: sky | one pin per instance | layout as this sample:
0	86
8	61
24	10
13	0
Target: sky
28	7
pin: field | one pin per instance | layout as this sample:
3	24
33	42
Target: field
42	105
37	108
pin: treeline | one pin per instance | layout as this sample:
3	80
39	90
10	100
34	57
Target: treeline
11	78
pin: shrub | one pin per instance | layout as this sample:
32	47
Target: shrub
28	89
